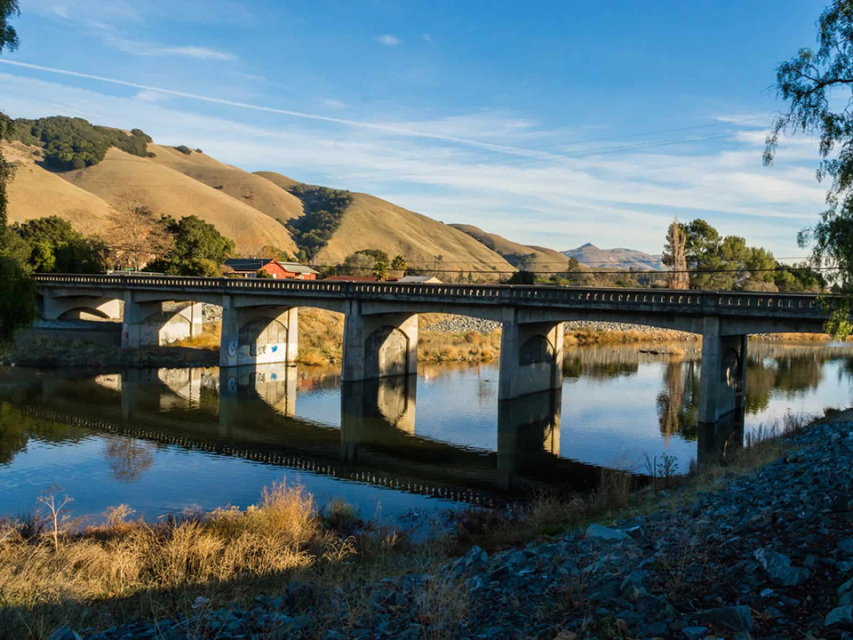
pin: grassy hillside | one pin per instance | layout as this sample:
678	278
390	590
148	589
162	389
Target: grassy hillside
248	188
81	171
519	255
36	193
170	192
372	223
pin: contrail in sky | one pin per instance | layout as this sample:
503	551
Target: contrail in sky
286	112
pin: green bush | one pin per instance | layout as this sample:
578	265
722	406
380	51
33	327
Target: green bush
74	143
184	149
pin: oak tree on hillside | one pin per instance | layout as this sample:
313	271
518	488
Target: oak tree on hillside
135	234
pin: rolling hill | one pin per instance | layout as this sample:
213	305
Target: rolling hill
531	257
596	258
249	208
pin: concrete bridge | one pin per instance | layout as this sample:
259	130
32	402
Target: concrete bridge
259	322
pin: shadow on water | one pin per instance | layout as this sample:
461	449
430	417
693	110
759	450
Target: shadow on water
251	413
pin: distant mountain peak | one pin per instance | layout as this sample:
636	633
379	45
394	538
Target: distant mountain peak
619	258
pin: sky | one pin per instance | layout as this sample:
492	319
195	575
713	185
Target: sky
551	123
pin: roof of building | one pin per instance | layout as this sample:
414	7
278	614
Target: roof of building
256	264
349	279
419	280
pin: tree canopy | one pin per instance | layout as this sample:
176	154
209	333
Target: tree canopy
74	143
324	213
51	245
817	85
8	36
198	248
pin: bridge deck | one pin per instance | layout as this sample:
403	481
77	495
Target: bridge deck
656	301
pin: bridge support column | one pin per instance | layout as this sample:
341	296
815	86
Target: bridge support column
159	323
378	346
258	335
531	357
80	307
723	375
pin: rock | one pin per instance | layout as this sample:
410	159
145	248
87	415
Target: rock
846	547
840	618
694	633
735	618
64	633
653	630
605	533
844	588
779	569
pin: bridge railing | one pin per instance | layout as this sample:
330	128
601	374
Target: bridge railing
685	301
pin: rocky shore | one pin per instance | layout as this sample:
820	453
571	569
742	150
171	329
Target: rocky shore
769	555
463	324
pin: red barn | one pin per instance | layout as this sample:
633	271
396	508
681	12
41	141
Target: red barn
250	267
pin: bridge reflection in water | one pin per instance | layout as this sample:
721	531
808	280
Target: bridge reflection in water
250	412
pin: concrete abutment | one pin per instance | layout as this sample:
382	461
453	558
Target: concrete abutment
258	335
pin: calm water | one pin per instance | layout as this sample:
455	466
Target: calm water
164	440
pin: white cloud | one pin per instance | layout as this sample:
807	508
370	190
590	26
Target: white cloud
202	53
426	37
139	48
151	96
332	103
388	40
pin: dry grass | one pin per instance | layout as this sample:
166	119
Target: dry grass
208	339
97	576
436	346
796	337
588	336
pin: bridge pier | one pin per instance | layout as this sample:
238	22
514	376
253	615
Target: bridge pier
257	335
722	386
98	307
378	345
158	323
531	356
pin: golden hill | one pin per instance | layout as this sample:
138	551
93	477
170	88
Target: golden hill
243	206
538	258
169	192
246	187
37	193
372	223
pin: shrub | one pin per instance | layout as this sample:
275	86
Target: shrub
184	149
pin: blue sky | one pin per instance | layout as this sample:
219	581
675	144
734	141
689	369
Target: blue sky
552	123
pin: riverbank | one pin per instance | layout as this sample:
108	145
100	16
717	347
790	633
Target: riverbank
733	548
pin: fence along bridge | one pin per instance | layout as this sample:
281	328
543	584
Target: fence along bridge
260	319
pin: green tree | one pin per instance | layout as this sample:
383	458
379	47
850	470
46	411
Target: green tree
198	248
813	83
399	263
17	298
53	246
17	289
380	270
8	37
